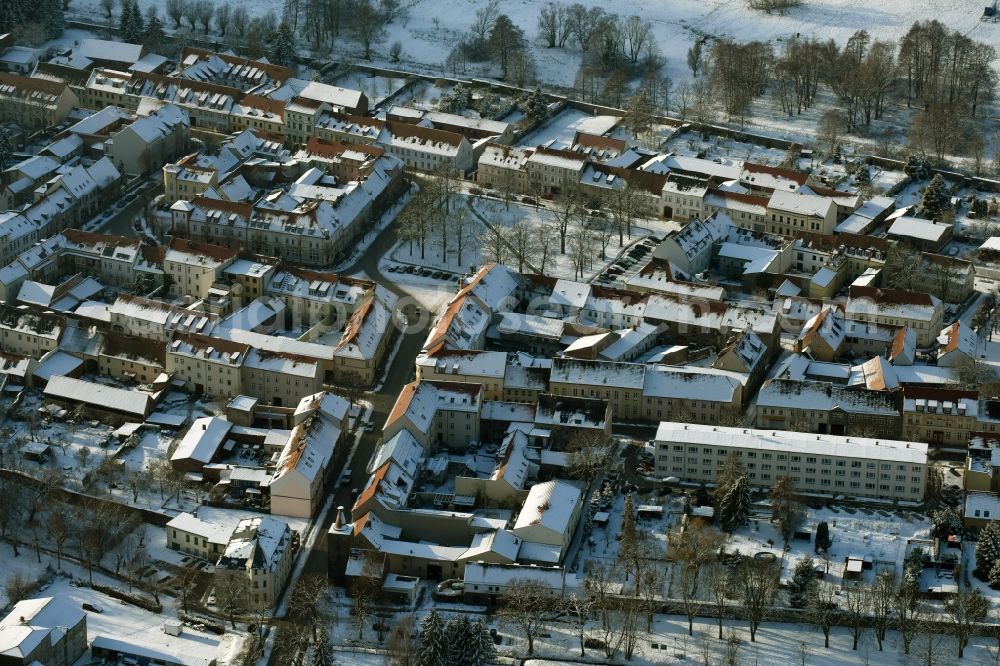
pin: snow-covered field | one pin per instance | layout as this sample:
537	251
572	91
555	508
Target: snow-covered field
426	42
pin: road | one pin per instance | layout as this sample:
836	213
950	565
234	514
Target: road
398	374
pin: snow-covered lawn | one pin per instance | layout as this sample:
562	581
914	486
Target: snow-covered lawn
426	41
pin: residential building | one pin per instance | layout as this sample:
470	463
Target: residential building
822	407
259	551
206	365
943	418
790	212
829	464
149	142
34	102
897	307
48	630
192	268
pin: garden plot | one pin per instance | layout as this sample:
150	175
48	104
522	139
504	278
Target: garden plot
880	535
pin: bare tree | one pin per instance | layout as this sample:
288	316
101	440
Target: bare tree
223	15
755	583
17	587
205	10
785	508
545	242
495	243
403	644
306	604
966	609
522	240
186	582
174	9
525	604
719	586
589	455
821	607
232	593
882	598
551	22
485	18
367	589
61	527
856	607
637	34
190	8
240	20
368	27
567	204
579	605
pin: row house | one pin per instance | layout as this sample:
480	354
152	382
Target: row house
227	69
821	407
34	102
145	144
207	366
192	268
438	414
555	170
157	320
897	307
748	211
943	418
761	179
29	334
791	212
504	167
636	392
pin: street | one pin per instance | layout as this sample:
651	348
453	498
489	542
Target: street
398	373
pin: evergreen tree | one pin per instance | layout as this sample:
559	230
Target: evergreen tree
6	149
462	644
988	548
936	198
535	106
138	23
639	113
433	650
995	575
823	540
153	39
125	24
486	649
916	167
862	176
734	508
283	50
803	582
50	15
946	522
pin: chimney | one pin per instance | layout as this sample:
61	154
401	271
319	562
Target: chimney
339	522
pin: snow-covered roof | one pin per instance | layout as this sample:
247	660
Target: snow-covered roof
808	205
573	371
99	395
886	450
680	382
919	228
462	362
216	533
824	396
550	505
202	440
260	542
